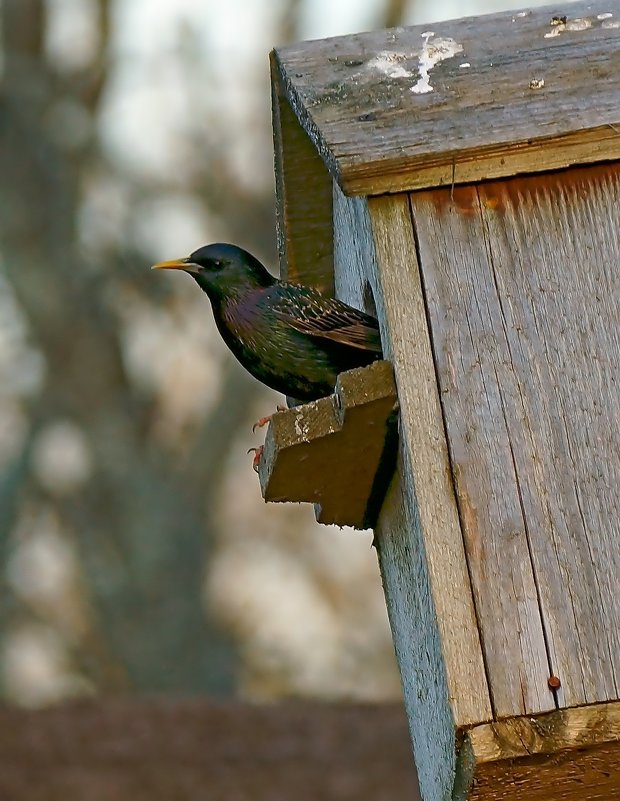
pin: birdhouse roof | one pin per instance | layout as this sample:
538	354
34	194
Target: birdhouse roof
459	101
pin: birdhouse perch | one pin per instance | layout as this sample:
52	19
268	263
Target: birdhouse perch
464	179
337	452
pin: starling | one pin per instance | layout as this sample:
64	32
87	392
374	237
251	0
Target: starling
290	337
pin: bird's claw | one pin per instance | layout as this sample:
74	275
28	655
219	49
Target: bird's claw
258	453
264	420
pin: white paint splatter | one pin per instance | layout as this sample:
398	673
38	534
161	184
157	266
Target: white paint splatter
301	427
432	53
464	65
607	15
523	13
390	64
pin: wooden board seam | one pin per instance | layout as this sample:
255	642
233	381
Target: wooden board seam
526	528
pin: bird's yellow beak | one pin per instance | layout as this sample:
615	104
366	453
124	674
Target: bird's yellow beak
173	264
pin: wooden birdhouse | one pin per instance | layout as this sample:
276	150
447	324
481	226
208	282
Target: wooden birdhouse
463	179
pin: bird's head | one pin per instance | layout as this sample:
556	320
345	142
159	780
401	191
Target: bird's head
222	270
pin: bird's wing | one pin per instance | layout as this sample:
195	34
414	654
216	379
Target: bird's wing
328	318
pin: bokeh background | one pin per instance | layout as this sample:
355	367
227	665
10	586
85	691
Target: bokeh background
136	554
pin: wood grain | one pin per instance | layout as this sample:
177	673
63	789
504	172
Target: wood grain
353	97
303	199
523	293
568	755
467	332
418	535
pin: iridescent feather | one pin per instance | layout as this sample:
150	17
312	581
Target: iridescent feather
290	337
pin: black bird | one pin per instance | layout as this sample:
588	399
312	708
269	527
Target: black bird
290	337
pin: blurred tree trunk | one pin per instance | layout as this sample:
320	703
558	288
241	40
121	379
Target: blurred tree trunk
141	525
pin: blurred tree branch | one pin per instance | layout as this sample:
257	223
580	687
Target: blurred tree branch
394	13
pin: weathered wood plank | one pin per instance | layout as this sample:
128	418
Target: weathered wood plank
470	349
555	251
358	98
303	199
418	534
568	755
523	292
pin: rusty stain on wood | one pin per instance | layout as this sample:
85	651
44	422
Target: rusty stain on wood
337	452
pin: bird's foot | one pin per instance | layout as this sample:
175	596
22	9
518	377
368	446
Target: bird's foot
258	452
264	420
